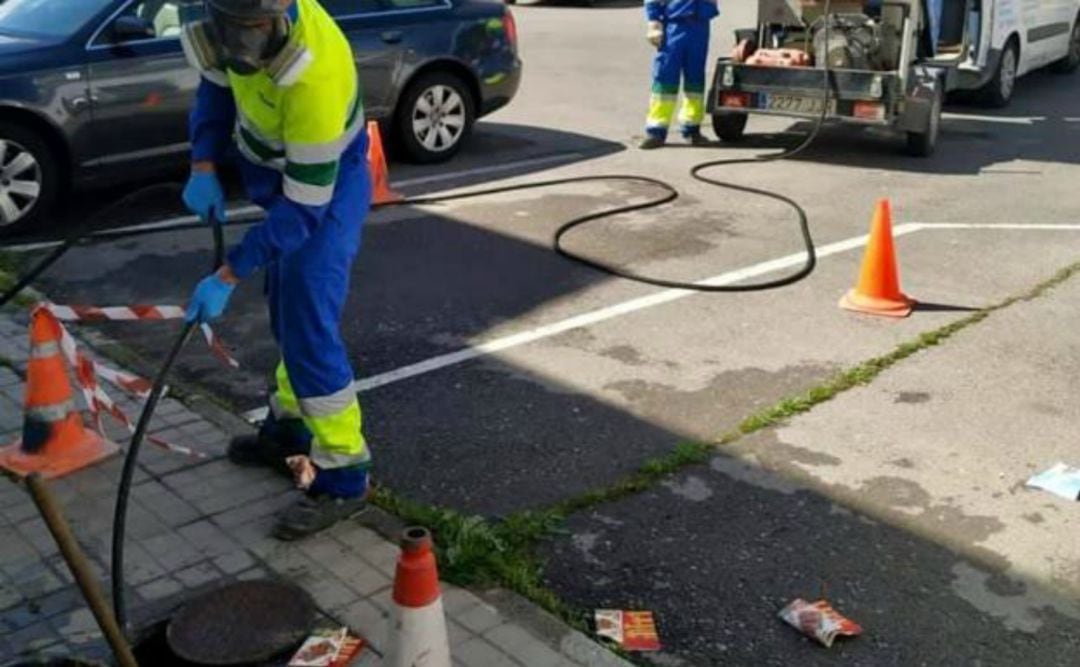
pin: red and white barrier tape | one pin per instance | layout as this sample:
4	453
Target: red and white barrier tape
87	371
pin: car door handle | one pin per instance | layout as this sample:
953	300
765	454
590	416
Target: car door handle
391	36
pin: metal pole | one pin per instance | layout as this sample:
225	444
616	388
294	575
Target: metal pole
80	569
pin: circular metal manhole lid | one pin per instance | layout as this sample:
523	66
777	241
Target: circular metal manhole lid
246	622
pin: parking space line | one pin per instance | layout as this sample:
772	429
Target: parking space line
595	316
1003	120
244	210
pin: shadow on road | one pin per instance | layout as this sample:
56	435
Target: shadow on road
1041	125
495	151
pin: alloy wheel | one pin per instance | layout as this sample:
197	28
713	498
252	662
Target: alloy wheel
20	182
438	118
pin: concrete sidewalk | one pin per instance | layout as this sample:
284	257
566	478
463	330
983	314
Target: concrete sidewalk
195	523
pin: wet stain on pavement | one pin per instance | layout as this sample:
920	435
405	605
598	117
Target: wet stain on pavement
706	412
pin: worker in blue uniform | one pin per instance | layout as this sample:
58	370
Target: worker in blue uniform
279	75
679	29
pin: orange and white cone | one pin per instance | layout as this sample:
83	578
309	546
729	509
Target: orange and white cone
381	192
417	625
54	441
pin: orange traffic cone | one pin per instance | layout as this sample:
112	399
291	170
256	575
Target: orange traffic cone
380	174
418	627
878	291
54	440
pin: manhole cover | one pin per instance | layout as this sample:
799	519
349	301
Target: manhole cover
246	622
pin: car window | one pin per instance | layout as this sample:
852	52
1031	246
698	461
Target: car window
58	18
350	7
161	18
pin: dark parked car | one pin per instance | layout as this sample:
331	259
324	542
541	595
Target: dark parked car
99	90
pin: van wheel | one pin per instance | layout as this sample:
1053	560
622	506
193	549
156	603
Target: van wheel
1069	63
998	92
30	178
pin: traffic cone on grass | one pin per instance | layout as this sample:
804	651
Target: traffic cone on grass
380	174
417	625
878	290
54	441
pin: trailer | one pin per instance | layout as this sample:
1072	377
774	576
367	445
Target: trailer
885	63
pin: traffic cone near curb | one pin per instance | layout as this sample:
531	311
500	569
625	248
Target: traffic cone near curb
380	174
54	441
878	290
417	625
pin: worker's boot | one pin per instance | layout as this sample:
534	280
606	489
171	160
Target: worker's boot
696	138
276	441
334	496
652	142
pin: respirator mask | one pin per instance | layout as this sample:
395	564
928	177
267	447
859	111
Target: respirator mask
242	36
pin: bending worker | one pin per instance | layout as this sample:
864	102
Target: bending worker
679	29
280	76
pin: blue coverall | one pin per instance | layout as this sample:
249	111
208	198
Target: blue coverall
681	56
307	249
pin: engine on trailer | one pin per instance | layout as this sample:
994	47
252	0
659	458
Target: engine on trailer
856	34
849	41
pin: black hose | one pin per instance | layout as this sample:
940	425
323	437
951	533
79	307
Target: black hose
670	194
131	458
83	234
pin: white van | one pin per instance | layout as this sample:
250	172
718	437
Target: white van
1024	35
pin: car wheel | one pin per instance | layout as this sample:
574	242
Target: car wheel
434	117
1070	62
29	178
729	126
999	91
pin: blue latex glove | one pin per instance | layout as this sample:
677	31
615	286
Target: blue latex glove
209	299
203	195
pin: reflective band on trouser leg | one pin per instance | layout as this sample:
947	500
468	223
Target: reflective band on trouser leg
336	422
283	401
693	111
661	110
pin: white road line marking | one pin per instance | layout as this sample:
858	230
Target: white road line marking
1000	226
1003	120
242	210
649	301
593	317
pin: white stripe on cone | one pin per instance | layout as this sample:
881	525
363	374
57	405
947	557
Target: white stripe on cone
418	637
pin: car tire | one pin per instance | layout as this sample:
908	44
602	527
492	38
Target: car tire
1071	62
923	144
30	178
435	117
998	92
730	127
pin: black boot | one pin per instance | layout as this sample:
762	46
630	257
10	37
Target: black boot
697	139
651	142
314	513
276	441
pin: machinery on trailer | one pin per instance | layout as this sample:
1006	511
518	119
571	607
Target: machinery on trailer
889	64
868	63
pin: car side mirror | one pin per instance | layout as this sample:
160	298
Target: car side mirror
130	28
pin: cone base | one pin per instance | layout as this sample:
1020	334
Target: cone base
870	305
50	463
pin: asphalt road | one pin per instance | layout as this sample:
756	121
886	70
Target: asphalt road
566	379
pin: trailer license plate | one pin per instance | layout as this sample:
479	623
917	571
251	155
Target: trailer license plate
797	104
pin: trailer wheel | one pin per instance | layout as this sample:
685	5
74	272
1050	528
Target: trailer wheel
923	144
729	126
